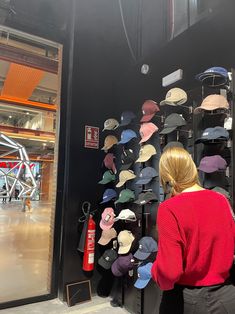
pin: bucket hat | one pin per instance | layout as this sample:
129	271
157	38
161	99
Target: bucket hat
146	131
146	152
127	135
213	102
175	96
147	245
124	176
122	265
110	124
125	239
107	259
144	276
172	122
149	109
107	218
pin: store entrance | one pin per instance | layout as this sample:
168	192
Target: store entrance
29	109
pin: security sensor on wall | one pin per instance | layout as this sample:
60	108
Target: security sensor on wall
145	69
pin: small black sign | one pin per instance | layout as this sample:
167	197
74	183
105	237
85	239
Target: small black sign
78	292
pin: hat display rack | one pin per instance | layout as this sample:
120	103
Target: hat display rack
213	136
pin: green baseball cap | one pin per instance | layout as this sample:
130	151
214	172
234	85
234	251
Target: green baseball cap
125	196
108	176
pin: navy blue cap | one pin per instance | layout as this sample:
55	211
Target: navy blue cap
147	245
215	76
127	117
144	276
108	195
216	133
127	135
128	158
146	175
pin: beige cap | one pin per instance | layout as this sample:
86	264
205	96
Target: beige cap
109	141
175	96
110	124
124	176
146	152
213	102
125	239
107	236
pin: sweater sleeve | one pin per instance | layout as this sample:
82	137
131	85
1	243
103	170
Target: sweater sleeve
168	266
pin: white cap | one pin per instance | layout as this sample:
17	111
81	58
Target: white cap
126	214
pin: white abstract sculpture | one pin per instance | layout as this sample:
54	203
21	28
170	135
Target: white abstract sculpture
14	176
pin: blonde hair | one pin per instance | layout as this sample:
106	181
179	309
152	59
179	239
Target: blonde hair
177	170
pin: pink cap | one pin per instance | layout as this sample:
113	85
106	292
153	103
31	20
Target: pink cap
149	109
109	162
107	218
147	130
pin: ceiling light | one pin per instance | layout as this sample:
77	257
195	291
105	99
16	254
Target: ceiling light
10	117
27	112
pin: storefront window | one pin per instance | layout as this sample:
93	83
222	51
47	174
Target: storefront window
29	109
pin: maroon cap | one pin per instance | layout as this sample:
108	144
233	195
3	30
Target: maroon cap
149	109
122	265
109	162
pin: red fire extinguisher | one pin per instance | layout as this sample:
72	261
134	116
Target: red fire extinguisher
89	251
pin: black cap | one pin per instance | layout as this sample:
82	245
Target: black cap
172	122
146	197
107	259
128	158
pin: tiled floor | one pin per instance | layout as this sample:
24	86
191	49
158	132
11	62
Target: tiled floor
96	306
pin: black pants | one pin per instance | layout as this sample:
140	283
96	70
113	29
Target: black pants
218	299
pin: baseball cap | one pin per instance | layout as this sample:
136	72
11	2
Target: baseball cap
147	245
127	158
110	124
125	175
214	163
221	191
172	122
126	214
109	162
145	197
149	108
228	123
107	218
144	276
215	76
173	144
125	196
175	96
146	175
107	259
107	236
146	152
122	265
125	239
108	195
108	176
216	133
126	136
127	117
213	102
146	131
109	141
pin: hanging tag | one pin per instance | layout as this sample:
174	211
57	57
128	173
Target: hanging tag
139	223
131	273
114	244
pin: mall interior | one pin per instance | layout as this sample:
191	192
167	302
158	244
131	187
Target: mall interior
85	90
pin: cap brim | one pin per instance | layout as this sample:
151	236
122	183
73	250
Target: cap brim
143	181
147	117
104	181
105	227
103	241
207	169
168	130
102	262
119	184
126	166
141	284
145	139
144	158
106	201
167	102
124	249
141	255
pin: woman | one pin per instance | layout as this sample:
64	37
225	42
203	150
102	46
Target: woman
196	242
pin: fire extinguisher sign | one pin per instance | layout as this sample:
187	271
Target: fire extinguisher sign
91	137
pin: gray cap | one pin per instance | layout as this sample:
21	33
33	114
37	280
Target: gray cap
107	259
173	144
216	133
145	197
146	175
147	245
172	122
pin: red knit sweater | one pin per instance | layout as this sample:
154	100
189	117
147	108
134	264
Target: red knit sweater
196	240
